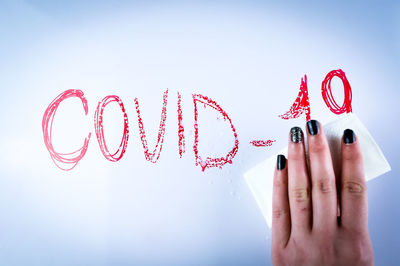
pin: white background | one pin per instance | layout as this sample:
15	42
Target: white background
248	56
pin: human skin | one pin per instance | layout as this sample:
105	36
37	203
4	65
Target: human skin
320	219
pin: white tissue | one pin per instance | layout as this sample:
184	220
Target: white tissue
260	177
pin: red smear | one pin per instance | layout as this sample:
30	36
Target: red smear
262	143
98	127
211	162
181	135
301	104
153	156
327	93
71	158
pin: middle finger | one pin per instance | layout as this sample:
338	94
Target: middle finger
323	191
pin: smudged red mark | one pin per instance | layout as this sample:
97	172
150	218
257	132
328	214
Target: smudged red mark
71	158
301	104
211	162
153	156
181	129
262	143
98	127
327	93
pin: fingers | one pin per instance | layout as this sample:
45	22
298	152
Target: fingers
295	211
299	188
280	205
323	193
354	204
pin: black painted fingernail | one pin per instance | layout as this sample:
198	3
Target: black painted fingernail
348	136
312	127
296	134
281	162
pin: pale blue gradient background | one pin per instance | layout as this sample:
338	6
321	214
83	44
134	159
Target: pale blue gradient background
136	213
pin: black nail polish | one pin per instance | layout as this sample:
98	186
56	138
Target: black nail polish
348	136
312	127
281	162
296	134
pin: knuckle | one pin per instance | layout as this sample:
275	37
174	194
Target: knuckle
354	187
350	154
278	213
325	185
300	194
318	145
357	253
361	254
327	251
329	254
279	182
295	152
296	157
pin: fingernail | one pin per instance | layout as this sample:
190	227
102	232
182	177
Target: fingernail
312	127
348	136
296	134
281	162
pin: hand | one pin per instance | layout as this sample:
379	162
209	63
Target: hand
319	219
